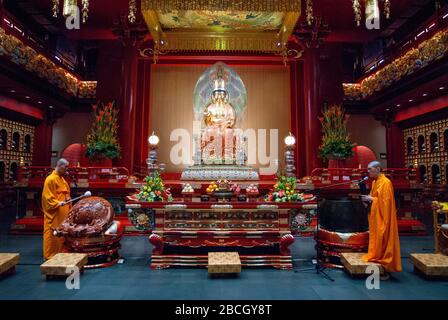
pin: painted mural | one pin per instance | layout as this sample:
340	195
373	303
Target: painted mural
220	20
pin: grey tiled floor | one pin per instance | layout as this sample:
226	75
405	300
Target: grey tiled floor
134	279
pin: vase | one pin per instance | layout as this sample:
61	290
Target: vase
103	162
336	161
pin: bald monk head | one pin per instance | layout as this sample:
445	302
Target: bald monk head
61	166
374	169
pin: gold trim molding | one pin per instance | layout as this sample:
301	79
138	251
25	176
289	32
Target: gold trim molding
223	5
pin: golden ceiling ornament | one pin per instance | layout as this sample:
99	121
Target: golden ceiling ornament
309	12
387	8
85	10
151	53
208	36
69	8
292	53
357	11
55	8
132	11
223	5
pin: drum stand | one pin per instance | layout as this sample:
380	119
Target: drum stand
320	269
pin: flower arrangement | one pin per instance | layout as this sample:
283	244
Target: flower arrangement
102	142
284	191
414	59
235	188
154	189
335	140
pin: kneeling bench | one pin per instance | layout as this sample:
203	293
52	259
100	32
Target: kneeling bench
8	262
430	264
355	266
220	263
56	267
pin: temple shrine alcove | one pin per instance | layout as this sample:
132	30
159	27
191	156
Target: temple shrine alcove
433	140
13	171
2	171
219	145
445	140
410	146
15	141
421	144
27	144
423	174
435	174
3	139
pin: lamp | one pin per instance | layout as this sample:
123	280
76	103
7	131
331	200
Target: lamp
290	142
153	141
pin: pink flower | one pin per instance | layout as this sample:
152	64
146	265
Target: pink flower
281	193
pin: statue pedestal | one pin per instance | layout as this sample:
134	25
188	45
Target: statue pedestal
215	172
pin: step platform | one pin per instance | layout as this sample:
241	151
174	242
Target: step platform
193	261
355	266
56	267
8	262
224	263
431	265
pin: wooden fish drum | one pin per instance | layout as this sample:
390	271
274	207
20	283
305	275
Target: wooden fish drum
343	227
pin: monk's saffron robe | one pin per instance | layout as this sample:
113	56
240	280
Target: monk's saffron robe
384	244
56	190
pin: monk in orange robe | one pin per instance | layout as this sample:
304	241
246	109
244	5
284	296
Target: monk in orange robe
384	244
55	194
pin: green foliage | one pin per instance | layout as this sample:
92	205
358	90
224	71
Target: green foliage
154	189
335	139
102	142
284	190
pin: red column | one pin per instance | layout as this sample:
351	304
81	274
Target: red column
394	146
311	130
297	119
128	106
117	81
143	112
42	144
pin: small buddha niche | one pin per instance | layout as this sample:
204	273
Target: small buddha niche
434	143
445	140
2	171
410	146
27	144
421	144
15	141
435	173
13	171
3	139
423	175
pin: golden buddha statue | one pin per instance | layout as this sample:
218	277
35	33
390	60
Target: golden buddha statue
219	113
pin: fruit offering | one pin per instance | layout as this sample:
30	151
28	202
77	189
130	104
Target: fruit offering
187	188
252	189
212	187
223	184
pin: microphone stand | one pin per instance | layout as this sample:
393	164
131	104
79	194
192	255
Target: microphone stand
320	269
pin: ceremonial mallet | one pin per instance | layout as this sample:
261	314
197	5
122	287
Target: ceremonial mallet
86	194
